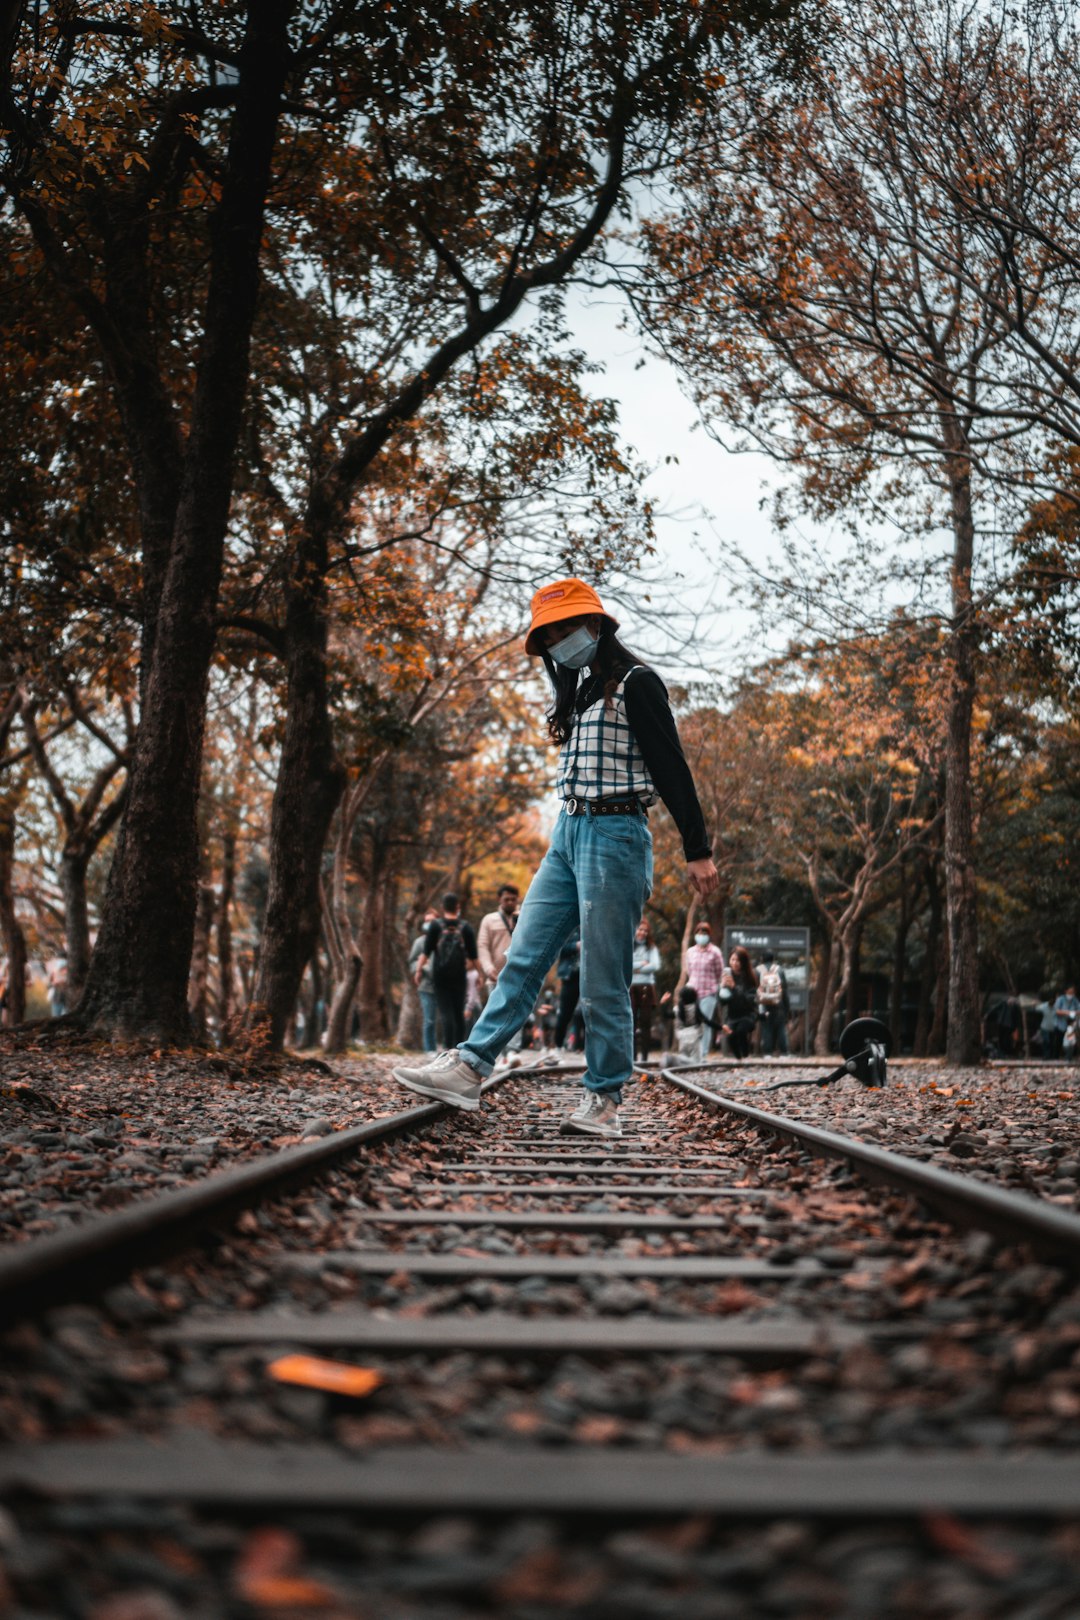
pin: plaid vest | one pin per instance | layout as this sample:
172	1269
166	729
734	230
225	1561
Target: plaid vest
601	759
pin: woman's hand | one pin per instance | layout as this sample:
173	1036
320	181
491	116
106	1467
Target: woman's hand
703	876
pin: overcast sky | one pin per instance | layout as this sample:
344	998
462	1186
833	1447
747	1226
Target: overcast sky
704	495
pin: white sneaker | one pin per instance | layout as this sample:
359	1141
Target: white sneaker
597	1114
447	1078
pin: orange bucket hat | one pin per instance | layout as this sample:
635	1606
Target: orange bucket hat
566	599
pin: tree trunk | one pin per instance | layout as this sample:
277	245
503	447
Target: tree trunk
307	792
935	1045
908	896
224	934
963	1044
339	1024
410	1024
138	977
199	982
833	988
14	940
930	972
374	1022
73	865
853	973
312	1008
85	830
394	949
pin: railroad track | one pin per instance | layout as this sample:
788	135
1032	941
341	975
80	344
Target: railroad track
724	1312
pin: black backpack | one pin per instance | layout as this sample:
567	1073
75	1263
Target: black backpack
448	964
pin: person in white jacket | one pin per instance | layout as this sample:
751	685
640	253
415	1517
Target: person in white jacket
493	943
495	933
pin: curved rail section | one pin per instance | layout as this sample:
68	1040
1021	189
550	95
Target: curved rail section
961	1199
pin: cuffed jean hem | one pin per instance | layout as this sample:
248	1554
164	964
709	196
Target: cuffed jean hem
482	1069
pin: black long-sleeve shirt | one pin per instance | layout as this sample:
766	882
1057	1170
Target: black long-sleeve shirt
649	716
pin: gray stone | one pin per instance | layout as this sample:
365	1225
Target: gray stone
835	1259
445	1537
618	1298
639	1551
307	1408
128	1305
317	1127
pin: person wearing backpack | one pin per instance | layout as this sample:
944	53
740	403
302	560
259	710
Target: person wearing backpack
450	946
773	1006
619	751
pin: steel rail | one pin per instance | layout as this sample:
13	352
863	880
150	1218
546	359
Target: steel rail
78	1264
1013	1217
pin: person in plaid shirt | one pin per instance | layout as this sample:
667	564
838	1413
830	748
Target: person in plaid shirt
703	968
619	752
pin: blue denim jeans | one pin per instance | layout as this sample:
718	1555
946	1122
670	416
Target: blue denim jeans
597	874
708	1005
428	1007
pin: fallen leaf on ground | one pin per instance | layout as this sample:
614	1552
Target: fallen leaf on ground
336	1377
267	1573
957	1538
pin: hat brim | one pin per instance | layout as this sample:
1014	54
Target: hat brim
554	615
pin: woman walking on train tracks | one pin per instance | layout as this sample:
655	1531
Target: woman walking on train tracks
619	752
643	989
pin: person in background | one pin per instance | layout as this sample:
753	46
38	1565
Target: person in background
1045	1011
643	989
568	972
1066	1008
493	943
424	986
740	1004
1009	1027
774	1007
544	1023
703	971
57	980
686	1025
619	752
450	947
495	933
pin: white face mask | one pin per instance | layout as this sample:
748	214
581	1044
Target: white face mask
701	939
575	650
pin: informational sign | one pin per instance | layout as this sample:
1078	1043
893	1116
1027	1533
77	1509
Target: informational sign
791	947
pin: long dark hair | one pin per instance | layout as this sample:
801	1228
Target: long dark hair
611	664
745	969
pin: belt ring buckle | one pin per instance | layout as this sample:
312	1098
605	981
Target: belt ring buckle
571	806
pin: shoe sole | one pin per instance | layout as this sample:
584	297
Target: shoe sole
469	1105
571	1127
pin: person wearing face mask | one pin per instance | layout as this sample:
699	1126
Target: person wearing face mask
619	751
703	969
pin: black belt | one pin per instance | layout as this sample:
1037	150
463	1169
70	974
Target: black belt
605	807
